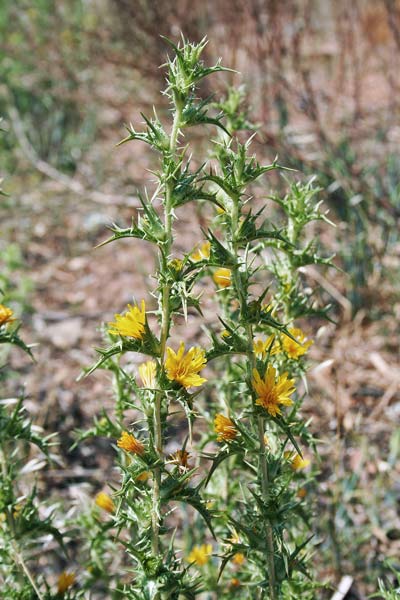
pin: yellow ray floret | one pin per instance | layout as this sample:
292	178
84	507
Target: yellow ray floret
65	581
6	315
222	277
271	391
238	558
200	555
143	477
296	349
130	324
104	501
261	347
225	428
184	368
296	462
176	264
129	443
202	252
147	372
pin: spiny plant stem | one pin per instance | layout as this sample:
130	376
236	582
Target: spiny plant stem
263	466
19	560
268	527
17	555
165	323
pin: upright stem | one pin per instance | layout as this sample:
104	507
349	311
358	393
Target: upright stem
263	465
165	322
268	527
17	554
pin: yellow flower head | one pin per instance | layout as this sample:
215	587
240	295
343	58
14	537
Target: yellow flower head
176	264
104	501
181	459
131	324
235	582
129	443
296	349
143	477
261	347
6	315
202	252
267	307
184	368
271	392
225	428
238	558
200	555
296	462
222	277
147	372
18	508
65	581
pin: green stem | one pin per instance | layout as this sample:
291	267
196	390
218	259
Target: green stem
268	527
119	392
17	554
165	325
263	465
264	477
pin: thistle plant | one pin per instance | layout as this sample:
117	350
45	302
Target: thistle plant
25	524
238	470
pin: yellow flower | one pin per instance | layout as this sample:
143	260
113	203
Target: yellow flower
104	501
200	555
6	315
143	477
267	307
65	581
293	349
18	508
202	252
238	558
296	462
185	368
225	428
129	443
235	582
131	324
272	393
261	347
302	493
147	372
222	277
176	264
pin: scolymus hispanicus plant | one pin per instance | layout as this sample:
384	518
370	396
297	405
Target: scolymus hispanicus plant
224	514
